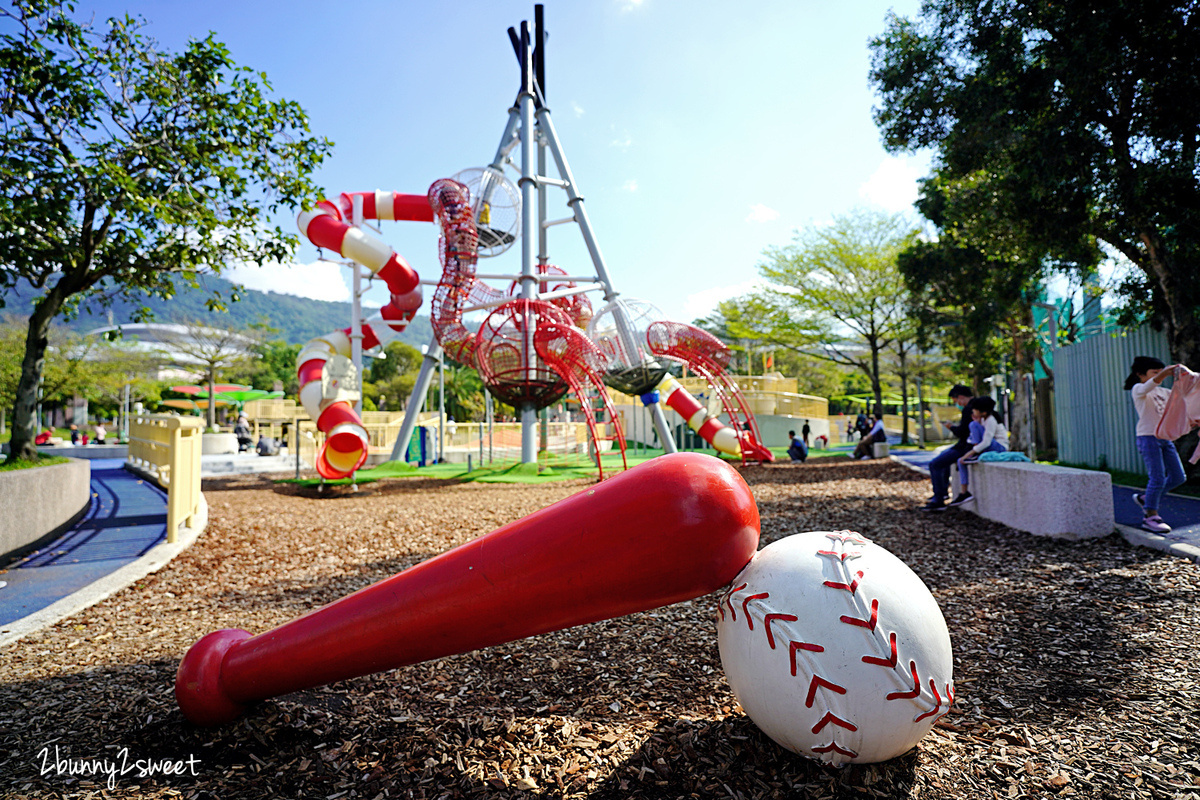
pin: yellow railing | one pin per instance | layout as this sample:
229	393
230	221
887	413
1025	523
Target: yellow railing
167	448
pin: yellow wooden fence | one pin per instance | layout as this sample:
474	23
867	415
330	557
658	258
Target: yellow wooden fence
167	448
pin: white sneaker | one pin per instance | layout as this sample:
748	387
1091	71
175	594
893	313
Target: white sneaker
1155	524
1140	499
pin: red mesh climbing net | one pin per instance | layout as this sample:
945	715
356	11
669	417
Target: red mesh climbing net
573	356
708	356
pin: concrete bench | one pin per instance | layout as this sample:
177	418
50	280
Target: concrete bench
1042	499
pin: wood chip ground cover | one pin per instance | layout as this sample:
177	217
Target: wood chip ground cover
1077	665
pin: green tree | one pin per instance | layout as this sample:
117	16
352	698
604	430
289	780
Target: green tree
215	352
271	367
127	163
392	377
398	359
835	293
1072	118
813	376
464	393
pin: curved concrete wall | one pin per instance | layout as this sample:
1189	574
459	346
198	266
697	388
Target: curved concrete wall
38	501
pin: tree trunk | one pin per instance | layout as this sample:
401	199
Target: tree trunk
876	386
25	422
1183	337
211	414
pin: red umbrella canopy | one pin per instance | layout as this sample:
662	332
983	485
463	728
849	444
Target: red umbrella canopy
191	405
203	390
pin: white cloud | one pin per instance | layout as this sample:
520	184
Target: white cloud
625	6
704	302
761	213
622	142
320	280
630	185
893	185
578	109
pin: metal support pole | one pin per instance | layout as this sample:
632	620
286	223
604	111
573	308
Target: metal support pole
416	400
490	413
528	184
441	407
664	431
356	334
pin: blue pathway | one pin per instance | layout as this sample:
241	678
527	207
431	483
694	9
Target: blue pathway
126	518
1181	513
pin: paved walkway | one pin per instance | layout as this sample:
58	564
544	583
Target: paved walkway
1180	512
127	517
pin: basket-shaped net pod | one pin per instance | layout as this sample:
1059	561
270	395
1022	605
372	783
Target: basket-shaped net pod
497	206
619	331
507	359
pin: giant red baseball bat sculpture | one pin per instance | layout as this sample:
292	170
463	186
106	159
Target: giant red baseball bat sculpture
669	530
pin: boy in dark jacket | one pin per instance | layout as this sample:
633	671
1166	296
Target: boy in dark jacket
939	467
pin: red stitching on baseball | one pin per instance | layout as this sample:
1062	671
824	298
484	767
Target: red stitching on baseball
760	596
884	662
842	556
834	746
729	595
816	648
817	682
830	717
769	618
938	703
865	623
949	696
916	686
849	587
847	536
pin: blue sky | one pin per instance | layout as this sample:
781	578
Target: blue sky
699	135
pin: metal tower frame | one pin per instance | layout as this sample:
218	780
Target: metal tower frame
530	113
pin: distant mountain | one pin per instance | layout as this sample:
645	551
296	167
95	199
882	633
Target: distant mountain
297	319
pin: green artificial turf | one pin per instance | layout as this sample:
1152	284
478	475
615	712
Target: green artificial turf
550	468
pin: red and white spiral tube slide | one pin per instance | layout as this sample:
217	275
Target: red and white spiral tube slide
708	427
329	226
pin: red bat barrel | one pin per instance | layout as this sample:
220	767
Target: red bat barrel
672	529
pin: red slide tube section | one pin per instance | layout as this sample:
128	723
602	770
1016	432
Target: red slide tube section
672	529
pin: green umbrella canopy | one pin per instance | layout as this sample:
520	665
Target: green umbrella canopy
244	395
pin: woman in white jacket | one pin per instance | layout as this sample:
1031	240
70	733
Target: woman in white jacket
1163	468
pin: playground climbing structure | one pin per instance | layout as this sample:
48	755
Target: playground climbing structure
531	349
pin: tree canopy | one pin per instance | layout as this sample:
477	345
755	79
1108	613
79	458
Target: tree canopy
835	293
123	164
1061	126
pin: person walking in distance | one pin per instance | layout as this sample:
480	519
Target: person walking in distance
1163	467
939	467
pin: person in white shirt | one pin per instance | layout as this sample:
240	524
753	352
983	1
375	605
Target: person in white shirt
988	435
1163	467
866	446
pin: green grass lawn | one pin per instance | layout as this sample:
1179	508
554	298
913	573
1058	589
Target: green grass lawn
18	463
549	468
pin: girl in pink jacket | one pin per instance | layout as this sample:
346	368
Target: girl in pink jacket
1163	466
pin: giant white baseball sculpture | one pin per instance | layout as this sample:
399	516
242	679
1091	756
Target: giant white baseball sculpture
835	648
